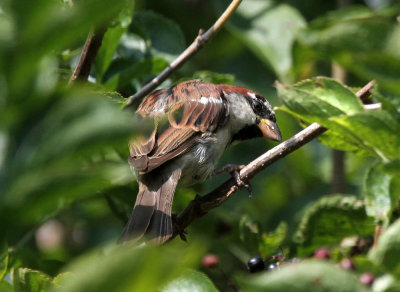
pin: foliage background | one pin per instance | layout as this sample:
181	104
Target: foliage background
65	185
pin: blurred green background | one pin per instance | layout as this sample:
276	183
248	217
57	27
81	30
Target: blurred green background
65	185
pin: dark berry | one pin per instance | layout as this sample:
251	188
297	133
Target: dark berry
322	253
210	261
255	264
367	279
347	264
272	267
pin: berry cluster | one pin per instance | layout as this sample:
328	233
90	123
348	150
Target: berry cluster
258	264
346	264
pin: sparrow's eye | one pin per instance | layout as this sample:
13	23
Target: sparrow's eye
258	107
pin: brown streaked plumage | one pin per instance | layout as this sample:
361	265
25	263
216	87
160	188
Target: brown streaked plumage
194	121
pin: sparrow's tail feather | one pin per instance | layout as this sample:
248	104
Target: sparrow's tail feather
151	216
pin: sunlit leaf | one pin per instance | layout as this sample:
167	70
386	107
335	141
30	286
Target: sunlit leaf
268	29
329	220
3	259
319	97
325	101
190	280
130	268
377	194
30	280
304	276
376	129
387	251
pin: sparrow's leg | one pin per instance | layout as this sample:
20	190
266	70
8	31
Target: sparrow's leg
234	169
228	168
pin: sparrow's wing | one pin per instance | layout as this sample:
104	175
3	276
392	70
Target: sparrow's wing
181	114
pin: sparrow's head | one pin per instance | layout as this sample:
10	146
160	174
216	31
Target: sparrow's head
252	113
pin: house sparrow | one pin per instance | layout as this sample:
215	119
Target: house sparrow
194	121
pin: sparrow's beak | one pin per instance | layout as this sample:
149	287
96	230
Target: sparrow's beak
270	130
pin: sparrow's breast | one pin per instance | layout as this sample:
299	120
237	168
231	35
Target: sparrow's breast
200	160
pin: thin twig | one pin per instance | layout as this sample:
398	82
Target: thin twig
197	44
201	205
88	56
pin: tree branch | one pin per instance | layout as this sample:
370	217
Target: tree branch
201	205
190	51
88	55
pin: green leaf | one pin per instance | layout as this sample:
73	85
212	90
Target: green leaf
376	192
304	276
30	280
190	280
3	259
363	264
52	163
258	242
249	234
376	129
318	98
270	242
331	34
386	283
374	39
107	50
390	104
130	268
335	107
112	38
269	30
6	287
122	72
387	251
330	219
165	37
149	46
35	23
59	279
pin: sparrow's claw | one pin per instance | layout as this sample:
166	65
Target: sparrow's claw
182	232
240	183
234	169
229	168
183	236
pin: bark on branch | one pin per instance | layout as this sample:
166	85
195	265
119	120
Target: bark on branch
88	55
197	44
201	205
